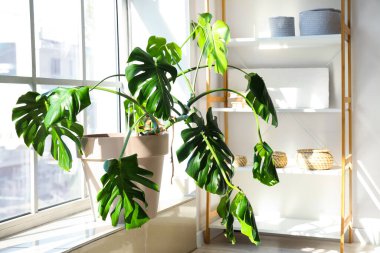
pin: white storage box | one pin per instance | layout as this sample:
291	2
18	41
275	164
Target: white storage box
290	88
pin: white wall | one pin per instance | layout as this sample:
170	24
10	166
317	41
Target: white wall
366	104
169	19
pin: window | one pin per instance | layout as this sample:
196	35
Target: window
43	44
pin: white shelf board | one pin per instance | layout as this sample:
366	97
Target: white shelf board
325	228
288	42
280	110
335	171
305	51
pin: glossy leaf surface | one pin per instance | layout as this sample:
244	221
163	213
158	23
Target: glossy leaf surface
242	210
120	188
38	116
259	97
149	78
224	211
209	156
158	48
213	40
263	166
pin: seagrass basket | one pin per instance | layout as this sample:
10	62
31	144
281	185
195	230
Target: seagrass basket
315	159
279	159
240	161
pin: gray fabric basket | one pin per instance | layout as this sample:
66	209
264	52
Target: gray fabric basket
320	21
281	26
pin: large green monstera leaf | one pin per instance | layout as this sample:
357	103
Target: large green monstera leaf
259	97
38	116
120	187
210	158
158	48
213	40
263	166
224	212
242	210
150	78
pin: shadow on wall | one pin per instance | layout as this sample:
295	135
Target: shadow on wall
371	232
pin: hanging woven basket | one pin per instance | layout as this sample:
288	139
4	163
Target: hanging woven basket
279	159
315	159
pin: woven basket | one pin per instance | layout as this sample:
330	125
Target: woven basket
240	161
315	159
279	159
282	26
320	21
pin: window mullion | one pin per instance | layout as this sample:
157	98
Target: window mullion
33	155
118	66
83	34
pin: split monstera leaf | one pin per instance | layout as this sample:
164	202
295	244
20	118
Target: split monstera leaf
151	74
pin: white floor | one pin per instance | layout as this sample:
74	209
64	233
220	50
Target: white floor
283	244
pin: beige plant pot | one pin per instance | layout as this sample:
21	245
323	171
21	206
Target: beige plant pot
150	149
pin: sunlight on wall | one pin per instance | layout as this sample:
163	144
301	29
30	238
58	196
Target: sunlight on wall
169	19
371	225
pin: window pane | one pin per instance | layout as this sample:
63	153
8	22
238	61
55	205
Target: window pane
102	115
55	185
15	50
58	38
14	158
100	39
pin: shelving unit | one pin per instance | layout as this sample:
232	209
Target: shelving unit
279	53
295	170
281	110
327	228
330	40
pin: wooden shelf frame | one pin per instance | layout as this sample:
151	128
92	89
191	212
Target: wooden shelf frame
346	223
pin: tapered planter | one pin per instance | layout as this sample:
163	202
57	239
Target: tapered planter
150	149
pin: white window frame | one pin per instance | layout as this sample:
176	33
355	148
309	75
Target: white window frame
38	217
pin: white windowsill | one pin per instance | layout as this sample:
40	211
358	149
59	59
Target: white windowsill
69	233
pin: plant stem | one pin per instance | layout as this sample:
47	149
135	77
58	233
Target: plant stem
187	81
205	66
129	135
189	37
219	164
192	101
198	65
154	120
108	77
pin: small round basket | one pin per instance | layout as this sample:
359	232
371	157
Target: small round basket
240	161
279	159
282	26
315	159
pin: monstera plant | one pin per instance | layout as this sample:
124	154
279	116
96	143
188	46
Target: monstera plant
148	101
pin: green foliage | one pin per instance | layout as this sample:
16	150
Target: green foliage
119	186
148	77
242	210
263	166
132	114
224	211
38	116
210	158
158	48
259	97
213	40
